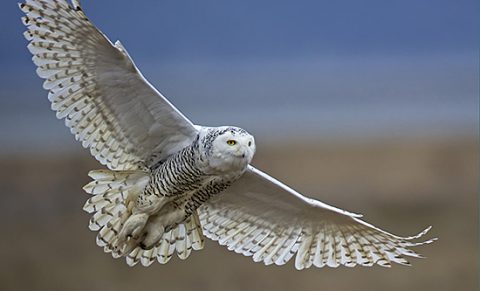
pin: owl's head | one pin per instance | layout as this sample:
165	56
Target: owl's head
228	148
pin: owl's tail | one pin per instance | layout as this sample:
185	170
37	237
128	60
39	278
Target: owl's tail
114	195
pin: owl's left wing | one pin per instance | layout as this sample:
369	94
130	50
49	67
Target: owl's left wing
261	217
96	88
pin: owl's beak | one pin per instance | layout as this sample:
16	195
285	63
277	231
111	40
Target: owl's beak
241	151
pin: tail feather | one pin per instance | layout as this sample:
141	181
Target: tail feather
148	257
181	242
105	215
195	233
112	192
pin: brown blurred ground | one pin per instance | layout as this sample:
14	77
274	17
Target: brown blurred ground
401	185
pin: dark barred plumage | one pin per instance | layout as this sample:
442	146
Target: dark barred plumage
180	177
176	175
203	194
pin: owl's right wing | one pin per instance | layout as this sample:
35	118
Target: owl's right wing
95	86
261	217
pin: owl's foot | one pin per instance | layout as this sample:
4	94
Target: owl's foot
153	234
133	227
156	225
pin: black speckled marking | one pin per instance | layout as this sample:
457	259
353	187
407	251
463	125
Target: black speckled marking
208	139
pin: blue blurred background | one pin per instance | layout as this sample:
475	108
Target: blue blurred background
368	105
313	68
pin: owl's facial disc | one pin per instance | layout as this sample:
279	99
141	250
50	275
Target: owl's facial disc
233	149
237	143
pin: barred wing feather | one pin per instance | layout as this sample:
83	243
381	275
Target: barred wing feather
259	216
95	86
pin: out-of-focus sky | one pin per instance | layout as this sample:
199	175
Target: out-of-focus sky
314	68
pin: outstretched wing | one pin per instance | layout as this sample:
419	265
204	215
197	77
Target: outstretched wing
261	217
95	86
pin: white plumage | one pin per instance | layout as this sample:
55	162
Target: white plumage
131	128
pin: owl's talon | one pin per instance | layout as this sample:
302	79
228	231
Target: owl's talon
137	232
133	227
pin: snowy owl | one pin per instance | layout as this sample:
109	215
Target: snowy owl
169	182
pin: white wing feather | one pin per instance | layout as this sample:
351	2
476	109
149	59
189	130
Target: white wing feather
106	102
259	216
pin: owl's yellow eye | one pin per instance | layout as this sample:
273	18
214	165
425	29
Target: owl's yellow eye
231	142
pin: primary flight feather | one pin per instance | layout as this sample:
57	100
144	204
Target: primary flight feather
170	182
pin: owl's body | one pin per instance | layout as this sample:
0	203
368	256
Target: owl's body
168	192
169	182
